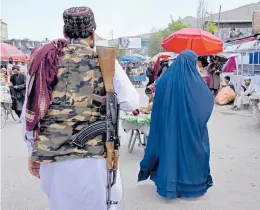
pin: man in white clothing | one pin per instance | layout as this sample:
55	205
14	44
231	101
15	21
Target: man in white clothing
243	97
74	178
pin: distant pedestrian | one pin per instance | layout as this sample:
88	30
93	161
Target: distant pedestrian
149	74
18	82
215	69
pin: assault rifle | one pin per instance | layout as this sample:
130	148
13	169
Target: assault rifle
109	125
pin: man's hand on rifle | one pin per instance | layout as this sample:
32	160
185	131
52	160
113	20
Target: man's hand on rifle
34	168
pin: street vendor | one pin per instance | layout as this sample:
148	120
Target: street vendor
215	69
243	97
150	92
202	64
163	68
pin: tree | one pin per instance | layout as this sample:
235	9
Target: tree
154	45
201	13
209	25
120	52
158	35
204	19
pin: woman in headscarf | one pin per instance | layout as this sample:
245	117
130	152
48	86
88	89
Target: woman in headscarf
156	68
178	152
149	74
163	68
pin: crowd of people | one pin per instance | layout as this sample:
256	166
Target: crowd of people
135	68
210	69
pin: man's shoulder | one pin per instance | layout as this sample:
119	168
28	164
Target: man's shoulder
79	50
79	54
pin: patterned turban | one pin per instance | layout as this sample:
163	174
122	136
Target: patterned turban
79	22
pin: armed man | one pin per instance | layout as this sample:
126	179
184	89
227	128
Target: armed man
71	116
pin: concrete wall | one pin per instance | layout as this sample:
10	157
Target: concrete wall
234	30
103	43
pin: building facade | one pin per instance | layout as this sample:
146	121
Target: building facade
4	30
234	30
25	45
233	24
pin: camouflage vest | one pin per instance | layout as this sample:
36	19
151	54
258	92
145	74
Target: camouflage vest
72	107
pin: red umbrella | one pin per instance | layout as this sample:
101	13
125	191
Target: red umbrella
201	42
9	51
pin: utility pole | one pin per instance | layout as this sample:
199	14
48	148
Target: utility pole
219	36
112	34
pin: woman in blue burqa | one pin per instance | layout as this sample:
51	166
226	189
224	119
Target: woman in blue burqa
177	154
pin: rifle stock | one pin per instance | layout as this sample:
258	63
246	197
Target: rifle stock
106	59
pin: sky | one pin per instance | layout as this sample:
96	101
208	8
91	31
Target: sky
40	19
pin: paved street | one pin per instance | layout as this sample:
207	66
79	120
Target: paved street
235	166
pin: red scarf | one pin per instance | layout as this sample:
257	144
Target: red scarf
43	70
156	69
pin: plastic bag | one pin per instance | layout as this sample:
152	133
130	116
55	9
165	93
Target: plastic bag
225	96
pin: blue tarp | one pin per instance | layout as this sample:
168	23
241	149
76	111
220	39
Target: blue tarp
130	58
254	58
25	51
227	44
122	63
140	57
139	78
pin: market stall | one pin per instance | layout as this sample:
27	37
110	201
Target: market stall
140	57
137	77
130	58
247	58
9	51
139	127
